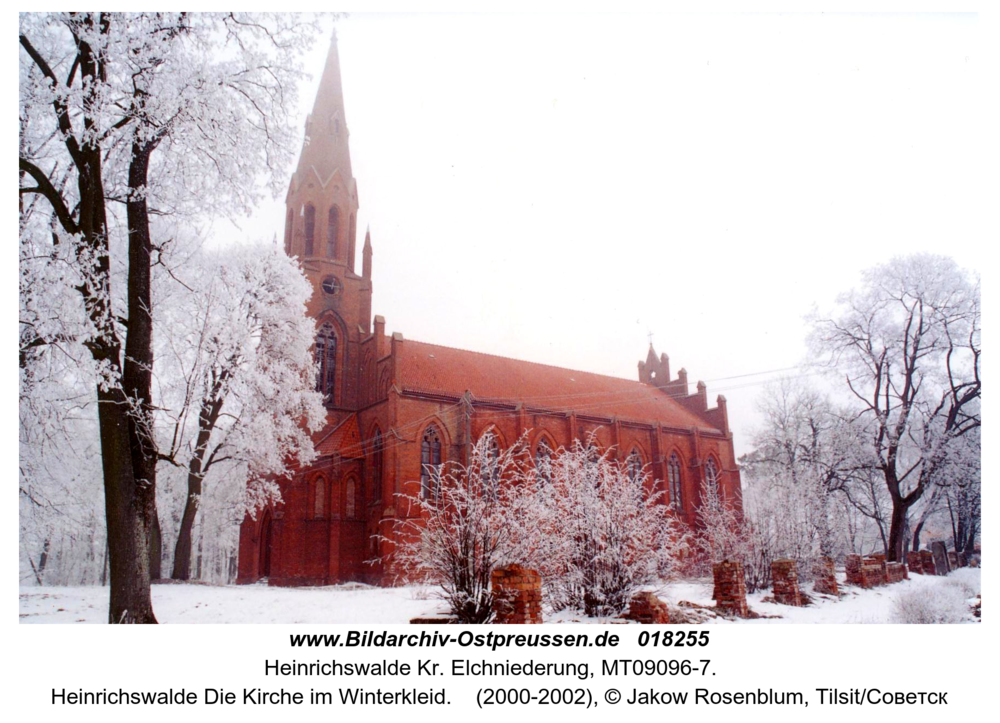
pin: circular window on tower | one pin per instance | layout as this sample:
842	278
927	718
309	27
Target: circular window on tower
331	286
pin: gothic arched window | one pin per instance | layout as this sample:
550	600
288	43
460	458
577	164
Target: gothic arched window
319	498
490	466
712	477
326	359
430	463
543	461
288	231
310	228
634	466
332	232
378	458
674	481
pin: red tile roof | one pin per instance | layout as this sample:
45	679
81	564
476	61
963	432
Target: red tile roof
439	369
345	438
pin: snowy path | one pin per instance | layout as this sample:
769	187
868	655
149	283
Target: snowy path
360	604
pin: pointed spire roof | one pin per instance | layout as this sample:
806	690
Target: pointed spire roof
325	148
651	357
368	237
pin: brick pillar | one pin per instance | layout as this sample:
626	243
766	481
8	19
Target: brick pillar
646	608
913	561
895	572
881	561
785	582
730	589
517	595
826	577
852	564
927	563
872	572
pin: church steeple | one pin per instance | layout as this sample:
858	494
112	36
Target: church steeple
322	201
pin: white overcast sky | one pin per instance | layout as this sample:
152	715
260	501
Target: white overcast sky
554	187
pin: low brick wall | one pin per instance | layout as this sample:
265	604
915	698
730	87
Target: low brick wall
895	572
852	564
517	595
825	573
913	562
785	582
646	608
873	572
730	593
927	563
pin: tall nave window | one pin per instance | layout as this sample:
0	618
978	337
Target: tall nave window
326	359
430	461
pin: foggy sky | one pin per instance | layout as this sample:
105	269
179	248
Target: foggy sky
553	187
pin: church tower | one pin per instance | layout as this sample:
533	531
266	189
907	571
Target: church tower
321	231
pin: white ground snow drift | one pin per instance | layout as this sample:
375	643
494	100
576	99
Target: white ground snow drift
362	604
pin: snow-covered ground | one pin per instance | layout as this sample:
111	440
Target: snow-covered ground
362	604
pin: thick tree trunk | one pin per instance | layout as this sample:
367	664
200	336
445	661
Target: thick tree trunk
897	525
155	548
916	535
127	517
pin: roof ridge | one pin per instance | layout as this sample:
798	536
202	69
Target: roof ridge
526	361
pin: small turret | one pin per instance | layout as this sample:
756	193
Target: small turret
366	255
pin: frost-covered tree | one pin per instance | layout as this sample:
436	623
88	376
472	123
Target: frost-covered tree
907	346
603	532
125	118
468	521
238	379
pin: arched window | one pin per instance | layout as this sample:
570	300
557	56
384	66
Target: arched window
490	469
634	466
310	227
350	504
288	231
378	457
430	462
712	477
543	461
674	481
319	498
326	359
332	232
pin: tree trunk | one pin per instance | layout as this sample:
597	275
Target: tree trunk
155	548
182	551
127	509
916	535
897	525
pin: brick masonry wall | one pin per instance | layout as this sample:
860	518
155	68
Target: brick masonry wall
927	563
913	561
826	577
895	572
646	608
873	571
785	582
730	589
852	564
517	595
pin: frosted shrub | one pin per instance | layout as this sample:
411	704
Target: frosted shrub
938	604
603	532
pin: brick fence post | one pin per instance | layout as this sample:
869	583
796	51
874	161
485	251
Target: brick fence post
517	595
730	588
785	582
826	577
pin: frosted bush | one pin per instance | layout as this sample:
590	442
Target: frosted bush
939	604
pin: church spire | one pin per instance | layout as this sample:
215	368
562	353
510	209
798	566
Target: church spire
325	145
322	197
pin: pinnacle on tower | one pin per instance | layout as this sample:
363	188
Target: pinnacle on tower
366	255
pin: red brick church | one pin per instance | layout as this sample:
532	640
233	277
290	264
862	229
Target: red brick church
397	407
